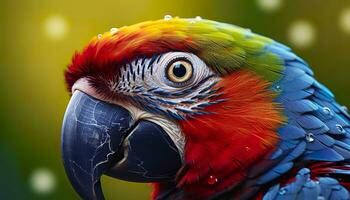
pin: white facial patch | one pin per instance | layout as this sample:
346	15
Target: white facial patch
147	81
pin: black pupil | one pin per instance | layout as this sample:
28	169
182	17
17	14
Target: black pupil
179	70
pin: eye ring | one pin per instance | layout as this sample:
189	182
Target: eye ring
179	70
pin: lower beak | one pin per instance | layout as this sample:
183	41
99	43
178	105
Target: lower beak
101	138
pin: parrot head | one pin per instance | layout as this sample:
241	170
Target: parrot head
185	104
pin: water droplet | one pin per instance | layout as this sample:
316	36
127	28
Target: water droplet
113	30
212	180
309	137
345	108
99	36
249	30
168	17
198	18
192	21
278	88
340	128
326	110
282	191
320	198
247	148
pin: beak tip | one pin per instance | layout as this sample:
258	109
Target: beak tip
83	182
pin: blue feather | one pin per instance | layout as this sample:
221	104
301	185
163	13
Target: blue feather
276	154
296	152
301	106
281	169
323	89
275	172
291	73
324	155
310	122
318	129
343	152
301	65
296	95
341	171
315	145
290	132
342	145
298	84
325	139
272	193
310	191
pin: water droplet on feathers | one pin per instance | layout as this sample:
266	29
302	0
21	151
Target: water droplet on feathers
113	30
168	17
309	137
212	180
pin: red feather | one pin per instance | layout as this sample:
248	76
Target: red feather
221	147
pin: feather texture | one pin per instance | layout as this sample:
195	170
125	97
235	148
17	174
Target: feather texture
273	117
223	47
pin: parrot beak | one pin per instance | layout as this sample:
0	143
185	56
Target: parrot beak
101	138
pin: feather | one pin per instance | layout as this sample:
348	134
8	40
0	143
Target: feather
324	155
289	132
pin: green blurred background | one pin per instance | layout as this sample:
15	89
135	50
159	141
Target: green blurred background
38	38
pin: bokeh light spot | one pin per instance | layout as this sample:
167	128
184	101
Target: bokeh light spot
42	181
269	5
344	20
301	34
55	27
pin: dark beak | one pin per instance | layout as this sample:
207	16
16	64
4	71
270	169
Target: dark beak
101	138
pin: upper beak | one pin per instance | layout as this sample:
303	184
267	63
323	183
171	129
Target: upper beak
101	138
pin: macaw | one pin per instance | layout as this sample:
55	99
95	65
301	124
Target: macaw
202	110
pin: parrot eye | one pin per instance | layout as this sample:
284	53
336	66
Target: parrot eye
176	71
179	71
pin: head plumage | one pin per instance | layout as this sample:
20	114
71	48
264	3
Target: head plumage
222	46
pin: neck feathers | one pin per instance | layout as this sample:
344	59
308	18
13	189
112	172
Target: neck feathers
222	147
